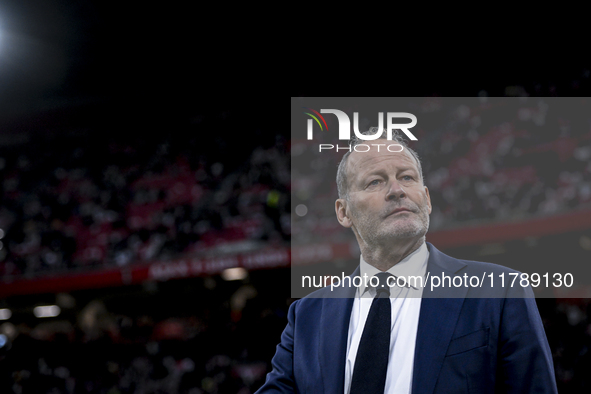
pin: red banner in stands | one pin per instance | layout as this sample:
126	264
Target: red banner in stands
281	257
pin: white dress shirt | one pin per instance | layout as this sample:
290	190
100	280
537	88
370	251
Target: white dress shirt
406	305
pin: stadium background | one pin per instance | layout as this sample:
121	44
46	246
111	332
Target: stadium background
137	166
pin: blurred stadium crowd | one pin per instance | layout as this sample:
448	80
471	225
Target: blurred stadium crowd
98	201
209	345
94	201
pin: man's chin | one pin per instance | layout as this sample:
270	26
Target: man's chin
402	232
403	226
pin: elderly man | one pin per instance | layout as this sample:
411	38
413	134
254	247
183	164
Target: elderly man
376	338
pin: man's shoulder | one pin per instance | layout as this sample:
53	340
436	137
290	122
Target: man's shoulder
330	294
497	280
482	279
466	266
481	266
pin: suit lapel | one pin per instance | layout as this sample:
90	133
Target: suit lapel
334	327
440	310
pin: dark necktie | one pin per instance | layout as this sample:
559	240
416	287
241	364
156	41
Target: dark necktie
371	362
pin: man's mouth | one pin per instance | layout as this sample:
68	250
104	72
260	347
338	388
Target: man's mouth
398	210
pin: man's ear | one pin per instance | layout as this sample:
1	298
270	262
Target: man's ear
340	207
428	199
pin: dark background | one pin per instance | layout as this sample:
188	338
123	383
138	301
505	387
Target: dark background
90	85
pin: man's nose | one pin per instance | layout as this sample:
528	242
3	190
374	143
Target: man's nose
395	191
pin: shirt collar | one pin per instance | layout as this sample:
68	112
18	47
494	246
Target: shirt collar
415	264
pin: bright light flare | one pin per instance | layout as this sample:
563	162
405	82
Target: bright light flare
237	273
5	314
46	311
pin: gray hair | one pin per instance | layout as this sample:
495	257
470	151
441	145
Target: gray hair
342	170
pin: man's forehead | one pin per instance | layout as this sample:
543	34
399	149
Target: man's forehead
366	161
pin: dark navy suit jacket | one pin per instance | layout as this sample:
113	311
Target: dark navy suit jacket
465	343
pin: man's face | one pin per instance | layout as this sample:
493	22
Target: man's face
387	199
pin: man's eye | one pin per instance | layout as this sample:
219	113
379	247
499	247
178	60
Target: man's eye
407	178
374	182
